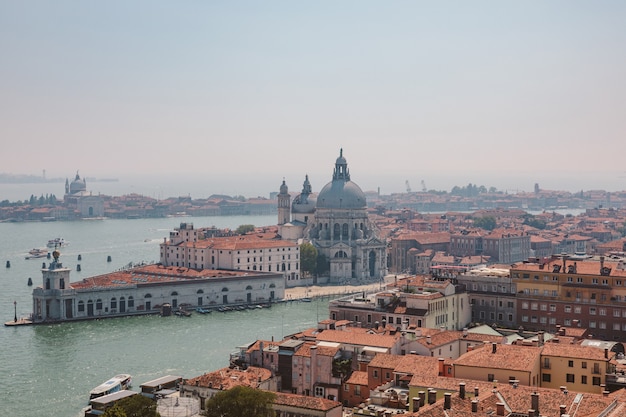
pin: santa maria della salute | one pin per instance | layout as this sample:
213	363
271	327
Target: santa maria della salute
335	221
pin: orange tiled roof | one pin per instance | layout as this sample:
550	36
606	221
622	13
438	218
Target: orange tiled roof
154	273
358	338
302	401
227	378
512	357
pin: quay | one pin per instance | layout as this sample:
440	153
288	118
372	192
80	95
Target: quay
22	321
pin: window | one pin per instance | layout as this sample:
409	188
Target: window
490	377
583	365
570	364
375	373
596	380
569	378
546	377
583	379
552	307
577	310
568	309
357	389
592	324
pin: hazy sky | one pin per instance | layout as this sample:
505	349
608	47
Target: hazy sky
497	93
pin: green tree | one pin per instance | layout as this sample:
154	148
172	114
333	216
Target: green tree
533	221
241	401
135	406
244	228
323	264
487	222
308	258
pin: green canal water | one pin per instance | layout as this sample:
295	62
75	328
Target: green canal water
48	370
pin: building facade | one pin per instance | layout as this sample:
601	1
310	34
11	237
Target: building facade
145	289
191	248
559	291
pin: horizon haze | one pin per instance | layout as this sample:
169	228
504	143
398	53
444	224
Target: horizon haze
244	94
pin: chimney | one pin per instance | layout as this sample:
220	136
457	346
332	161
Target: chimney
475	391
540	338
474	406
428	339
601	264
462	390
441	366
422	396
562	409
494	347
606	353
432	396
447	401
499	409
416	404
531	413
534	401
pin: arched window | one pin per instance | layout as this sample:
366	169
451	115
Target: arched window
174	293
341	254
344	231
224	289
336	231
147	295
283	267
131	301
249	287
81	306
272	285
98	304
113	303
200	291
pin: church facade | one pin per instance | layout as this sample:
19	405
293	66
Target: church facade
336	222
82	201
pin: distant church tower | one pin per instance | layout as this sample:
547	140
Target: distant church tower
284	204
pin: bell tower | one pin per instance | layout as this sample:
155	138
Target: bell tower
284	204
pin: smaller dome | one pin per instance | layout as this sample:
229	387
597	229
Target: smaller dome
304	204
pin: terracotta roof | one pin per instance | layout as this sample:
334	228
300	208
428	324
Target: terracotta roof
358	378
573	351
154	273
227	378
358	338
302	401
512	357
385	360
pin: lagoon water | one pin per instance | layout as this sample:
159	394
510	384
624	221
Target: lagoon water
48	370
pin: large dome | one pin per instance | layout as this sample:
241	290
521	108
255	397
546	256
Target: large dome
341	192
78	185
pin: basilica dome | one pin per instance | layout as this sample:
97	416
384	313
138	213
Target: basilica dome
341	193
78	185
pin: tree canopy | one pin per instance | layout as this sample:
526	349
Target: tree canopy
135	406
244	228
308	258
487	222
241	401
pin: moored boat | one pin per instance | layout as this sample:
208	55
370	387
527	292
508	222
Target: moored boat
37	253
58	242
117	383
202	310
